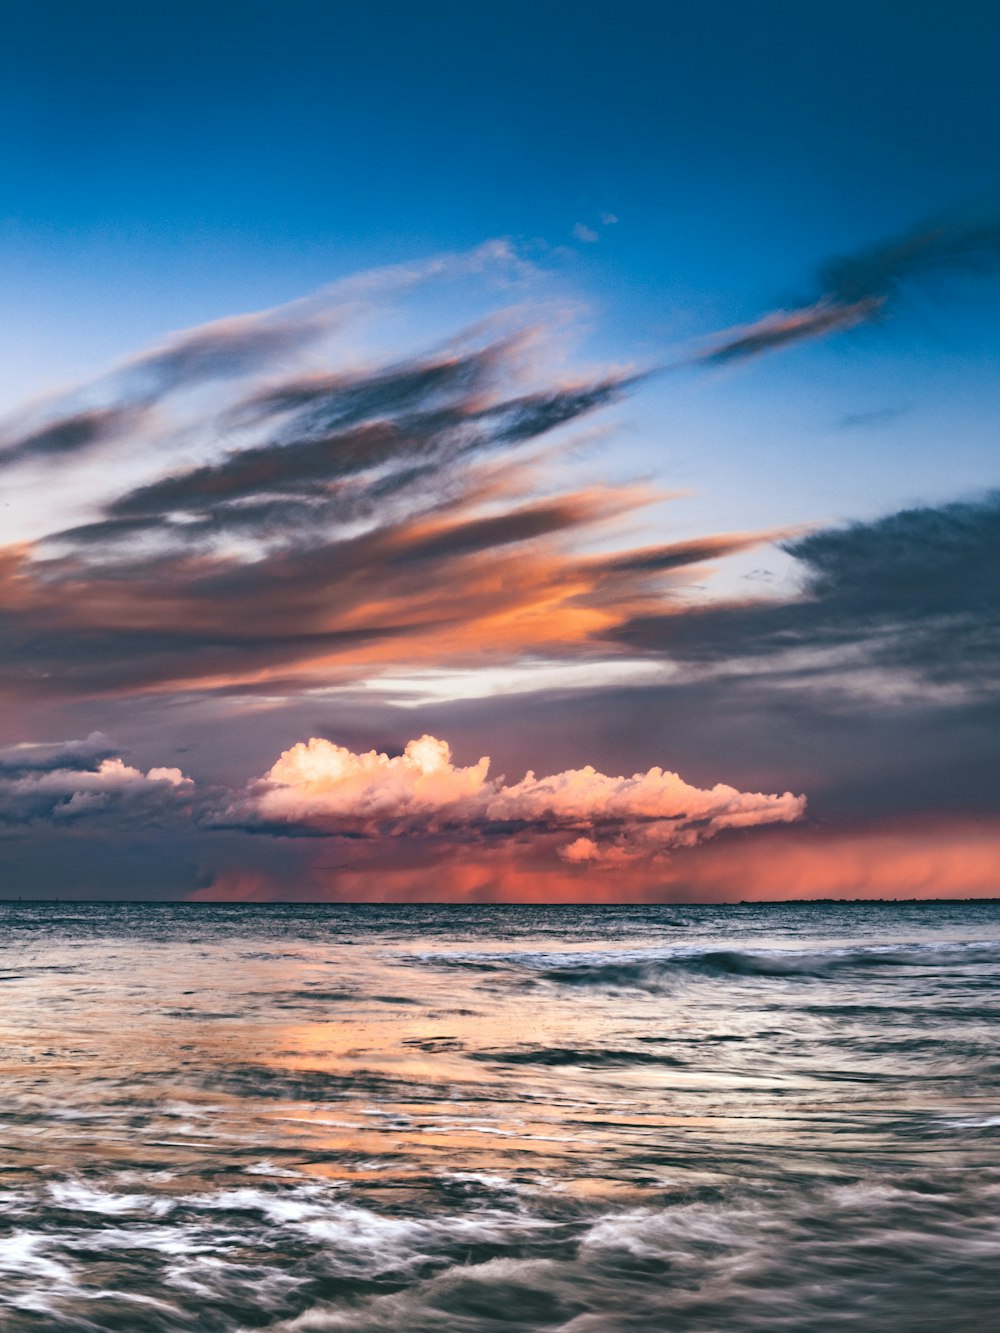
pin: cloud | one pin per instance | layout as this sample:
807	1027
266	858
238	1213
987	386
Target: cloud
224	349
75	432
67	426
323	524
584	233
70	423
340	436
320	788
785	327
914	592
331	524
51	756
929	858
862	288
448	584
68	781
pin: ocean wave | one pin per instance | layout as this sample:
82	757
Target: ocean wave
653	969
311	1255
779	1261
84	1255
584	1057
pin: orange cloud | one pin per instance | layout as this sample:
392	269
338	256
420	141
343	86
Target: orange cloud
323	788
448	588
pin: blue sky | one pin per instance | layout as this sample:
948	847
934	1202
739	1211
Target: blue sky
166	166
660	175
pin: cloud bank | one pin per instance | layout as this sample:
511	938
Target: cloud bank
320	788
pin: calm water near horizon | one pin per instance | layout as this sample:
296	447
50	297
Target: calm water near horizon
467	1119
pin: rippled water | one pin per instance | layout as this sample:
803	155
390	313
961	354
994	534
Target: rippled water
474	1119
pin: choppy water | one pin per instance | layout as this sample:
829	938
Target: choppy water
494	1118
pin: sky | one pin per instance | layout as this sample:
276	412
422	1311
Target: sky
504	452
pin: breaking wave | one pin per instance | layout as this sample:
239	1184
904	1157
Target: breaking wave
655	968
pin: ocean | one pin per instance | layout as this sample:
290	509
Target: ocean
468	1119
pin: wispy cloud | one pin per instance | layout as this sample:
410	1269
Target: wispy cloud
866	287
233	348
316	524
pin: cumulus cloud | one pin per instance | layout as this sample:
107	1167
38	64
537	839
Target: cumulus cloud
320	788
862	288
72	780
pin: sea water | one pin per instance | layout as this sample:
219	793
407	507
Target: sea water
584	1119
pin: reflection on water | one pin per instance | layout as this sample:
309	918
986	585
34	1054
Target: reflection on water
427	1118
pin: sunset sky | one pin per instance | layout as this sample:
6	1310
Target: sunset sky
493	452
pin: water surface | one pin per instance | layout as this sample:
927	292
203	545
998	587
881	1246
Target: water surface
591	1120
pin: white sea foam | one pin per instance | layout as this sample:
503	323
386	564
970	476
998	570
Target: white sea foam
80	1195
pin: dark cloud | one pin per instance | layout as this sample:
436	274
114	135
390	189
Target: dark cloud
877	418
324	403
71	434
678	554
862	288
915	591
277	468
106	531
226	349
497	530
948	247
70	781
44	757
782	328
406	425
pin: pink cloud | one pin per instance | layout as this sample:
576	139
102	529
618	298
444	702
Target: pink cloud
323	788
